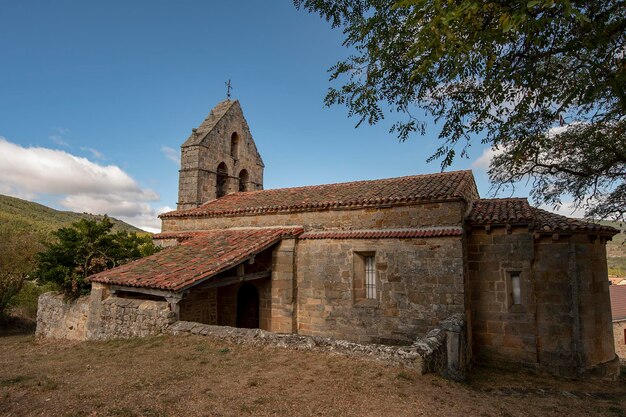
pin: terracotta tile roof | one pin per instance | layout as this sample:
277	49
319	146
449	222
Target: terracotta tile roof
384	233
499	211
618	301
184	265
209	123
390	191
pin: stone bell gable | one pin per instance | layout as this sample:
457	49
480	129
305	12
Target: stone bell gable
219	158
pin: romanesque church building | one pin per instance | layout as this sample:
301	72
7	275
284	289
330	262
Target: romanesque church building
378	261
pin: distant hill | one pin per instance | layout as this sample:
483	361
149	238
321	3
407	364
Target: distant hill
25	216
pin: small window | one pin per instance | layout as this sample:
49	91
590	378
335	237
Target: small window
625	336
370	277
234	145
364	279
515	285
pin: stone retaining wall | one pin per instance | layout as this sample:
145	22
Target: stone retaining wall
124	318
438	352
59	319
441	351
89	319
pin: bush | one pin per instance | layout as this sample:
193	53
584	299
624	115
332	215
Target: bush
10	286
25	301
86	248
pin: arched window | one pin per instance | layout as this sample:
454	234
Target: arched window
244	178
234	145
222	176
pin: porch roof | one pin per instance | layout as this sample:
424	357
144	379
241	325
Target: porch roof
203	256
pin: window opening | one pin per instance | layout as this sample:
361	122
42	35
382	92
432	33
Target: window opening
234	145
370	277
516	288
244	178
222	175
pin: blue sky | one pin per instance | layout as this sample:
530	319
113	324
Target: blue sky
95	95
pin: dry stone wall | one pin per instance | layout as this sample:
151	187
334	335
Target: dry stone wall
60	319
112	318
122	318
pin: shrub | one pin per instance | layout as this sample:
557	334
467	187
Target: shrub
86	248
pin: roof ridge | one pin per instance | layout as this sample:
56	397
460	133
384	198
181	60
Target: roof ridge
300	187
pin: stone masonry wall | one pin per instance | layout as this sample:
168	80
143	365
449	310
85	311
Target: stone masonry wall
58	319
111	318
563	322
198	179
419	283
619	335
416	215
501	331
125	318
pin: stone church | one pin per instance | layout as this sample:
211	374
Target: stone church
378	261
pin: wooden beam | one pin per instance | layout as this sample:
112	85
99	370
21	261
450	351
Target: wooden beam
222	282
149	291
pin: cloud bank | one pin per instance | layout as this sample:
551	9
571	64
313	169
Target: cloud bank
79	184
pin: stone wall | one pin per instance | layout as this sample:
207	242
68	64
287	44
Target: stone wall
502	331
562	323
619	335
419	283
416	215
199	162
111	318
199	305
441	351
59	319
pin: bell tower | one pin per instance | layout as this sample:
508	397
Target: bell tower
219	158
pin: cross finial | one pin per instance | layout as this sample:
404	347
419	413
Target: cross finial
228	88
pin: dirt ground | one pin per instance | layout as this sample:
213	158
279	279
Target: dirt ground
194	376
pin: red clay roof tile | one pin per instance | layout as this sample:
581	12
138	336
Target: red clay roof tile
203	256
390	191
498	211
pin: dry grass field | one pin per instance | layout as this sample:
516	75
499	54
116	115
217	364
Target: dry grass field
193	376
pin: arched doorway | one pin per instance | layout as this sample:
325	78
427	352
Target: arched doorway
248	306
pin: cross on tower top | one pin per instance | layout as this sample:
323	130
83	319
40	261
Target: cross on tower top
228	88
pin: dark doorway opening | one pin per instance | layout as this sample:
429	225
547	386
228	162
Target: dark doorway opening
248	307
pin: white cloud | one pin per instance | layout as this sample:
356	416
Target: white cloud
79	184
484	160
57	136
171	154
94	152
58	139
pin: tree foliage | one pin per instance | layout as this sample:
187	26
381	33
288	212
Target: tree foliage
17	258
504	72
84	249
